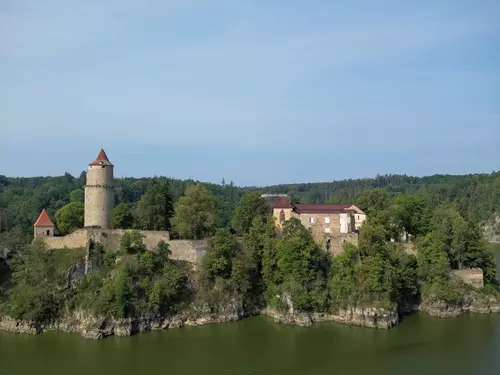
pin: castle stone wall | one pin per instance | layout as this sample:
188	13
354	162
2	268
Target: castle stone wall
277	213
187	250
75	240
471	276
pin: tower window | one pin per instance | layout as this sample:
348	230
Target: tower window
48	232
282	216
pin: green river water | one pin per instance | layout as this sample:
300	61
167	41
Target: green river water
469	344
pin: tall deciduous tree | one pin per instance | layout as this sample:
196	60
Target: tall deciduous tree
250	206
413	214
156	206
195	213
121	217
76	195
70	217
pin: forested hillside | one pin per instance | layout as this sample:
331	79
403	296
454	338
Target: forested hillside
477	196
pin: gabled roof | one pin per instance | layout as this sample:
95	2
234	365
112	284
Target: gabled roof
43	220
283	202
102	159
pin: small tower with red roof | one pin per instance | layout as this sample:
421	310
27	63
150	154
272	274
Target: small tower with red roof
99	193
43	225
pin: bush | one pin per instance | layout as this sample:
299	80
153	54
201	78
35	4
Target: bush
131	242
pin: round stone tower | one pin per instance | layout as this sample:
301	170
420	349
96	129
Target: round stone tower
99	193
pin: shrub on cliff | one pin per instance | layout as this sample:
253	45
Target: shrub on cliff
142	283
375	273
131	242
39	283
301	268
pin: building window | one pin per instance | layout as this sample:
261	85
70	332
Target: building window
282	216
311	219
327	230
357	218
327	220
48	232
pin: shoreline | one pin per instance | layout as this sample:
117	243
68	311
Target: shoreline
90	327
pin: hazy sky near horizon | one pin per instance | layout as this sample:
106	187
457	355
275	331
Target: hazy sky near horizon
258	92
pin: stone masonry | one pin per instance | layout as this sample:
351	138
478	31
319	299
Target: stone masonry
186	250
99	193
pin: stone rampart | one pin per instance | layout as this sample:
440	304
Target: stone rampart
472	276
77	239
187	250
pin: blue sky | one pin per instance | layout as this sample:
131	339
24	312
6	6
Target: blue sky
259	92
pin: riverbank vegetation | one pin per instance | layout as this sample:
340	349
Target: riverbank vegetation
251	264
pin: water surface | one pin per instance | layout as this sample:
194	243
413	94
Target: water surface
469	344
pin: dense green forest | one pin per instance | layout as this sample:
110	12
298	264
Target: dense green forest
476	196
252	265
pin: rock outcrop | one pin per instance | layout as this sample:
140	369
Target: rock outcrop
95	327
491	229
475	302
362	316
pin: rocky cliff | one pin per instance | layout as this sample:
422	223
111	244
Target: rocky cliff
95	327
491	229
475	302
367	317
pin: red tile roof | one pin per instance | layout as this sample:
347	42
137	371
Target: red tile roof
43	220
322	208
283	202
102	159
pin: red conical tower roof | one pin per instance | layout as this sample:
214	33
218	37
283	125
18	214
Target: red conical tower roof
102	159
43	220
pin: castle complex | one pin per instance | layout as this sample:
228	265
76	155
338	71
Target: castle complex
331	225
98	206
